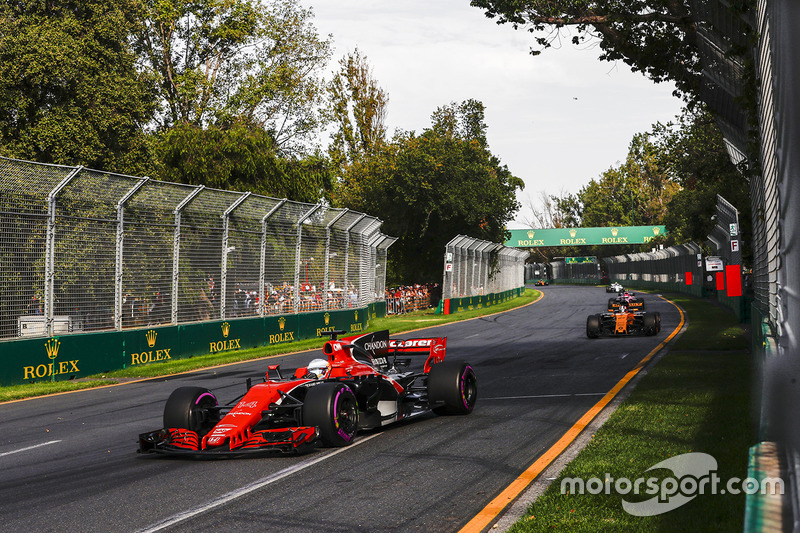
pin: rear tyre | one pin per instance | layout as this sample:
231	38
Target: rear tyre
333	409
650	323
593	326
454	384
611	303
188	408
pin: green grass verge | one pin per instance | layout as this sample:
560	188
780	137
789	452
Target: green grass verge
696	399
395	324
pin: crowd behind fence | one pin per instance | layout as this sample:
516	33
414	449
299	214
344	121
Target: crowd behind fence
409	298
83	250
474	267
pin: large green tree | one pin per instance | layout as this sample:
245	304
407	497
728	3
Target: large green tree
428	188
671	176
69	89
699	163
358	110
241	157
634	193
216	61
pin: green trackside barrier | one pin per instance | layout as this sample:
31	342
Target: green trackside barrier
763	512
693	290
457	305
83	354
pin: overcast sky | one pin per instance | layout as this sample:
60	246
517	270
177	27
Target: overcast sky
556	120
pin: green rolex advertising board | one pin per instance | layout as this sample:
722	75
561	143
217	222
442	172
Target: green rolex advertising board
532	238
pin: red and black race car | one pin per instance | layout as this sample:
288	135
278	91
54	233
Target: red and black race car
623	321
364	382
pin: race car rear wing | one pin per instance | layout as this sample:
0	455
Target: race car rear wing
434	348
379	348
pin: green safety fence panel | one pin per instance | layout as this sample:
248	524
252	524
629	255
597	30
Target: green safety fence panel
450	306
79	355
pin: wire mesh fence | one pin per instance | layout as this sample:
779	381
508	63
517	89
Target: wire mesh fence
679	264
82	250
474	267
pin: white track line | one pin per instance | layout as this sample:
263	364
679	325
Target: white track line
247	489
30	448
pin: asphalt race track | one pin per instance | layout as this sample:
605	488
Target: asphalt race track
69	462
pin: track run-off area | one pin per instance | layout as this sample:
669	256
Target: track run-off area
69	461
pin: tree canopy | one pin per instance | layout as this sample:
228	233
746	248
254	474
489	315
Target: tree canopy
216	61
670	177
656	37
69	90
358	111
242	158
430	187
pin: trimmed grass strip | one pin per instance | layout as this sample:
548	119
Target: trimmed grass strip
696	399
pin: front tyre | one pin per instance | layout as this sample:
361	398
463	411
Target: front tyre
454	385
333	409
190	408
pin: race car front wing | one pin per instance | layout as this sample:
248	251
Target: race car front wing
177	441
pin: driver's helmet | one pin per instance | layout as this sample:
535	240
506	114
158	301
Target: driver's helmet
317	368
623	309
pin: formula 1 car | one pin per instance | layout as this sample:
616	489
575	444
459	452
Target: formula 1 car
363	383
614	287
541	283
627	299
623	322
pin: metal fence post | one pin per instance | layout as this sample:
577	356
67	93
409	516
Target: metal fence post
298	244
176	249
118	273
50	252
325	291
225	249
262	280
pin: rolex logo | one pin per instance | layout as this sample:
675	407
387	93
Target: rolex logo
614	231
573	232
52	346
281	323
151	338
531	234
656	230
226	328
327	318
356	313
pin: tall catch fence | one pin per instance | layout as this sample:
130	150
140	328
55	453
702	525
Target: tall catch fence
585	272
537	271
82	250
677	268
474	267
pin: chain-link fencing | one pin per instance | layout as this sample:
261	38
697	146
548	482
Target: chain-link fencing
474	267
678	268
82	250
588	272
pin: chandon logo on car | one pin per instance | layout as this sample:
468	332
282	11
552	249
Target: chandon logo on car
377	345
